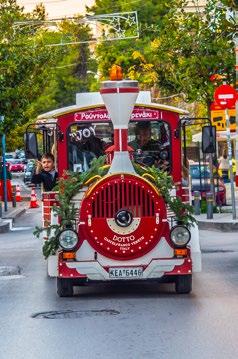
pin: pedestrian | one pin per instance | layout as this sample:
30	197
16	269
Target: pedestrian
224	165
45	172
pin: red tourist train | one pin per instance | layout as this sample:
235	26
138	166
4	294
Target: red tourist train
124	229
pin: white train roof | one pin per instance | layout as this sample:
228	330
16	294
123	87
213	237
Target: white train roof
90	100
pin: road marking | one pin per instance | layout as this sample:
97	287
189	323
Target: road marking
9	277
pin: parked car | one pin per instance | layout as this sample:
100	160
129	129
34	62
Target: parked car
200	181
10	157
29	170
16	166
20	154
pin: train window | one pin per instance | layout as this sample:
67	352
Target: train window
87	141
150	143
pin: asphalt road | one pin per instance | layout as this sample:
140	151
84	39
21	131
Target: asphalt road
133	321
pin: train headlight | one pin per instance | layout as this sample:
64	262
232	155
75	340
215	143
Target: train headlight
180	236
68	239
164	155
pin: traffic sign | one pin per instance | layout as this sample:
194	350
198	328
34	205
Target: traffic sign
225	96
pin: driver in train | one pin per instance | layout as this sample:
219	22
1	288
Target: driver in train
143	140
147	150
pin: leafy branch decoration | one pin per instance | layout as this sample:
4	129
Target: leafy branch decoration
68	187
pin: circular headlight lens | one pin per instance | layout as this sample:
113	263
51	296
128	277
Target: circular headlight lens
68	239
123	218
180	236
164	155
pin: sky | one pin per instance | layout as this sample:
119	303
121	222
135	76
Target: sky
58	8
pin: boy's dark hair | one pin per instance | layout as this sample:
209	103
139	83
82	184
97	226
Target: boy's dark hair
48	156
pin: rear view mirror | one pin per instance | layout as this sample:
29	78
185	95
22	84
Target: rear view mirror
31	145
209	139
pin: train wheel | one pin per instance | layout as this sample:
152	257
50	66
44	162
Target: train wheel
64	287
183	284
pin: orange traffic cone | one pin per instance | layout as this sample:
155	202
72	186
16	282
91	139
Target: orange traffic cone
18	194
33	202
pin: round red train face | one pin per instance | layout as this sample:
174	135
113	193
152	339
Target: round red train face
122	217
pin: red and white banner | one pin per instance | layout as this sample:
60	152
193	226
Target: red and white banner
102	115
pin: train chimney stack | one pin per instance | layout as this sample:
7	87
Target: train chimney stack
119	97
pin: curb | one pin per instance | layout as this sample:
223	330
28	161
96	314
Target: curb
9	270
4	226
14	213
220	226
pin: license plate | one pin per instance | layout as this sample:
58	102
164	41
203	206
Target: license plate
126	273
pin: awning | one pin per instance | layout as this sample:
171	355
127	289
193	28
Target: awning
221	136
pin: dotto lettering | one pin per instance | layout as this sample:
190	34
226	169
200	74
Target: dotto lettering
127	239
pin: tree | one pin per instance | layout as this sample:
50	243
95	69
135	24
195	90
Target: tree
23	62
131	54
198	46
177	51
35	77
71	73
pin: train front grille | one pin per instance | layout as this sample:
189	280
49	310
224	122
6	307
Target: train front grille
113	196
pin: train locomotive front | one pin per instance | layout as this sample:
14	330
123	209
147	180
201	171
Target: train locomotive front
123	217
123	228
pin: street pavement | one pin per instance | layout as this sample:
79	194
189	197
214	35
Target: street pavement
225	220
131	321
221	221
9	216
114	321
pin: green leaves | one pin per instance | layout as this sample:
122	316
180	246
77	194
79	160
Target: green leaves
72	182
177	50
183	211
23	64
68	187
35	78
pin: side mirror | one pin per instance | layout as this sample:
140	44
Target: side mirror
209	139
31	145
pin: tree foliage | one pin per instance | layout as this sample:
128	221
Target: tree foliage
177	51
34	77
70	72
23	62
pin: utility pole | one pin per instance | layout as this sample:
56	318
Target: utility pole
236	84
228	136
4	169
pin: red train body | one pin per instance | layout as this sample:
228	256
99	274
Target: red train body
123	223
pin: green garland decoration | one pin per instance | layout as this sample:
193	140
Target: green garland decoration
70	186
164	182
